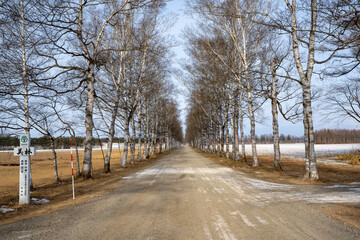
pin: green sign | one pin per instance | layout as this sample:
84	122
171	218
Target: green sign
24	139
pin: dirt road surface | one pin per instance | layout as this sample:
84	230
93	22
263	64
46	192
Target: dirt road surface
186	196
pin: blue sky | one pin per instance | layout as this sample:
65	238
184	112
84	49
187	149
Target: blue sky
177	8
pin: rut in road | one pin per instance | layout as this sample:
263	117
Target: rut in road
186	196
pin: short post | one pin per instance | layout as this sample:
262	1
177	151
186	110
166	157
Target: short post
72	170
24	151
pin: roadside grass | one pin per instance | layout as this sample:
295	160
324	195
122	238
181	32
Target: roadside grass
293	170
352	158
292	173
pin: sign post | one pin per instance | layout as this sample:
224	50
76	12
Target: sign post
72	170
24	151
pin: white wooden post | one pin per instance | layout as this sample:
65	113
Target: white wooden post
24	151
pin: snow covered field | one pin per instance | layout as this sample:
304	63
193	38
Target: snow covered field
298	149
295	149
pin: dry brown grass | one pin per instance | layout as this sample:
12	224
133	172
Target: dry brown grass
59	193
292	170
352	158
292	173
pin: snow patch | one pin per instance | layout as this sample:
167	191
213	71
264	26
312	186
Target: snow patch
355	183
235	213
355	189
337	186
246	221
298	149
40	200
223	229
127	177
25	236
335	197
219	190
207	231
262	220
201	190
4	209
282	221
263	185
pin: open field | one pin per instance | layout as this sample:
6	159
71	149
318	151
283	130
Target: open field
58	192
43	171
298	149
184	195
42	167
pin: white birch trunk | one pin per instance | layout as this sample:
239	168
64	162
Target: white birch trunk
227	153
311	172
52	146
153	140
139	155
310	163
89	125
160	146
252	123
132	142
111	134
233	122
167	146
78	173
146	139
126	145
275	121
222	143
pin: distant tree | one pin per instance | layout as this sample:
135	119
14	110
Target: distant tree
344	100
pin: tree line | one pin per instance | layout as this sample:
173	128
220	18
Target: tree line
323	136
61	142
247	52
90	68
329	136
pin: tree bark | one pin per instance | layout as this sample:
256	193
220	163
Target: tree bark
111	134
227	153
132	142
146	139
234	127
89	124
77	158
252	121
311	172
52	146
126	144
139	155
275	122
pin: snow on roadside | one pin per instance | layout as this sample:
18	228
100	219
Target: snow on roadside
40	200
261	193
4	209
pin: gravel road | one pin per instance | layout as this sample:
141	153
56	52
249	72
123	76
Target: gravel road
185	196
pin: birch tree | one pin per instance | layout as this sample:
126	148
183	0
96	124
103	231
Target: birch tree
234	19
77	30
19	62
305	75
